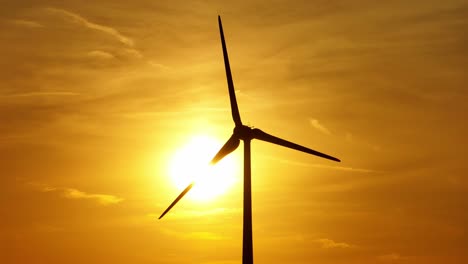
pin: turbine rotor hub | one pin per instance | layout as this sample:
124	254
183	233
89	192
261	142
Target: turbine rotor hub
243	132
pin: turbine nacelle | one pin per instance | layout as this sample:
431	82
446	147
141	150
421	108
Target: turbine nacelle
243	132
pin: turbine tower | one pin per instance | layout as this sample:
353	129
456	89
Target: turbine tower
246	134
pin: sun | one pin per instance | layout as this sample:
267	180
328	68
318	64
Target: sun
190	163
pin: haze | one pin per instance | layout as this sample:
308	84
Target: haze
96	98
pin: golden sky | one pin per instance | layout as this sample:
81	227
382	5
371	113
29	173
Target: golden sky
97	97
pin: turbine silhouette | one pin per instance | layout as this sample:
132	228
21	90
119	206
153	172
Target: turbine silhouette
246	134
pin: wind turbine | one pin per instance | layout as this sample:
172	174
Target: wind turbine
246	134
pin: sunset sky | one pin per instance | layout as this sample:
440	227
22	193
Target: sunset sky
99	100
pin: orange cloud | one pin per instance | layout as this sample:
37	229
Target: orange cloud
321	166
199	235
103	199
26	23
392	257
86	23
45	93
71	193
316	124
328	243
99	54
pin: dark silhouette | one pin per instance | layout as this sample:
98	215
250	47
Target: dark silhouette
246	134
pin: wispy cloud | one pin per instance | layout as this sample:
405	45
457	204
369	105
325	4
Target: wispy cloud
104	199
98	27
312	165
392	257
99	54
34	94
185	111
26	23
183	214
329	244
43	187
222	262
352	139
200	235
71	193
205	236
133	53
316	124
158	65
46	228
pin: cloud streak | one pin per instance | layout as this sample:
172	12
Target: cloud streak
35	94
99	54
72	193
312	165
316	124
26	23
330	244
199	235
184	214
103	199
88	24
392	257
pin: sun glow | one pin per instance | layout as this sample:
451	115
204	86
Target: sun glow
191	164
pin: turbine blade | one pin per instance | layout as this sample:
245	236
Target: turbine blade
177	199
230	145
232	94
259	134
